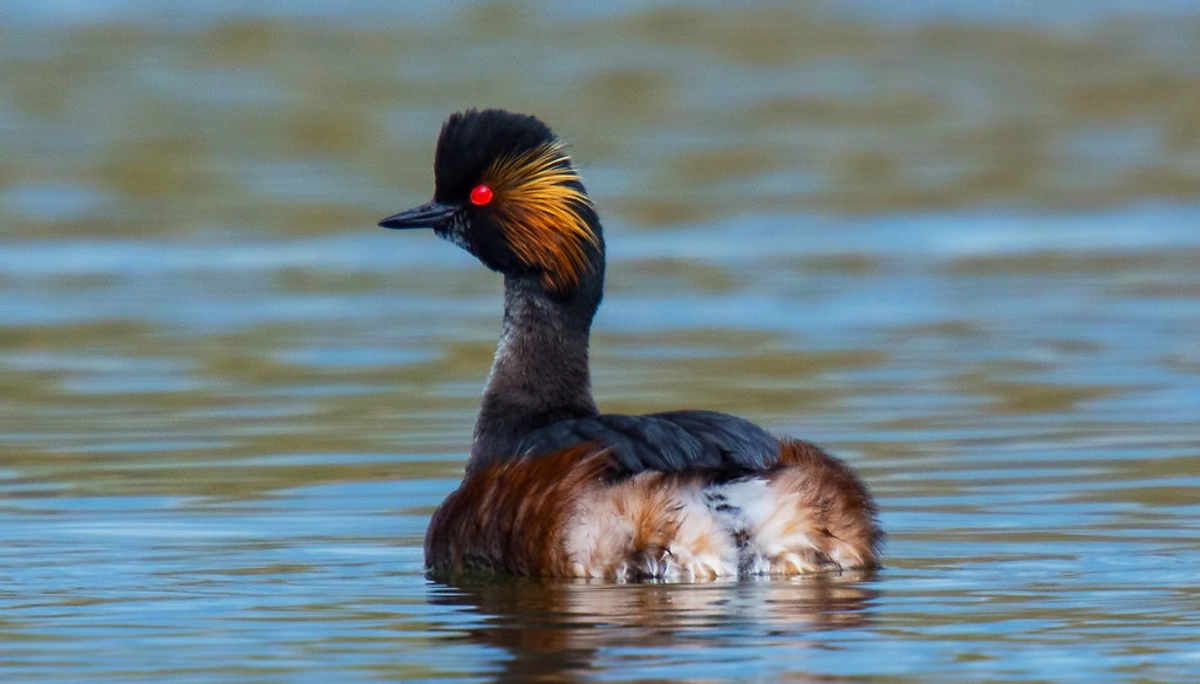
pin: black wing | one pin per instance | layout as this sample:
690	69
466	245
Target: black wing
672	442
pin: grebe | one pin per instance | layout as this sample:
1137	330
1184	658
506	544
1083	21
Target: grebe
553	487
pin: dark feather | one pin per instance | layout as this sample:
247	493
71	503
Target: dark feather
676	441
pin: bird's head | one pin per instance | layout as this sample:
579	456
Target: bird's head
505	191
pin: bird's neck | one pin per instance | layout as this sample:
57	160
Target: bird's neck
540	373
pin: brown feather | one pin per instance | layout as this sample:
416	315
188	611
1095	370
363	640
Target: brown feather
510	515
539	199
517	516
839	511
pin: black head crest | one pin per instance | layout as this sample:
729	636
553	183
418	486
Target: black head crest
518	185
472	140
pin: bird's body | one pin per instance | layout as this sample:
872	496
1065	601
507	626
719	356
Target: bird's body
553	488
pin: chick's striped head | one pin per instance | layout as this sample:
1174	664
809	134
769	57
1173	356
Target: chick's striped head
513	198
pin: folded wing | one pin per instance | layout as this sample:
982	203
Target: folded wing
675	441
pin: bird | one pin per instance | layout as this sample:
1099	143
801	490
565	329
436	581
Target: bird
553	488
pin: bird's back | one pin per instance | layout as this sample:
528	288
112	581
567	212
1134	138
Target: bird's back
673	441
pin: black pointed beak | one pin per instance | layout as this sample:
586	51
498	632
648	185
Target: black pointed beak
428	215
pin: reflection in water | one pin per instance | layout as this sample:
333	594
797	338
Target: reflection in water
554	629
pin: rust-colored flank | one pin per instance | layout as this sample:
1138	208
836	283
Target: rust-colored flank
554	487
510	516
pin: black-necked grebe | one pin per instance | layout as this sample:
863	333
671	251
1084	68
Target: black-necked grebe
553	487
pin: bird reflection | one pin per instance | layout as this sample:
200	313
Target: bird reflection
553	629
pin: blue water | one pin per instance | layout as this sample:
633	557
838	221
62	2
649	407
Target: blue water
956	246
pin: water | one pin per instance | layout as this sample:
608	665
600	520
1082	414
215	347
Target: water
957	248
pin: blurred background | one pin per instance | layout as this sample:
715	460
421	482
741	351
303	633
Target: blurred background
956	243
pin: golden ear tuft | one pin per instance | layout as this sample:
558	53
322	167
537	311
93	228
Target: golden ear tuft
539	202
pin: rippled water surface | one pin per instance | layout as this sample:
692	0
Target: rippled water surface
960	248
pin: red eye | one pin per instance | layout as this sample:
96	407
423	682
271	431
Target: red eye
481	195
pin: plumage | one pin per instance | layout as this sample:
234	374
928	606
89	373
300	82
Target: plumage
555	488
575	512
538	196
673	441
